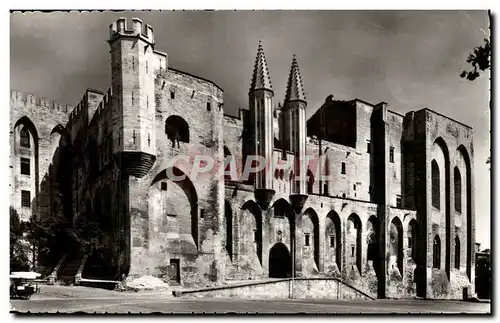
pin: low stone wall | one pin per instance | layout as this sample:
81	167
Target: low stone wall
303	288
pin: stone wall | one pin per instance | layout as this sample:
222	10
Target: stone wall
281	289
373	224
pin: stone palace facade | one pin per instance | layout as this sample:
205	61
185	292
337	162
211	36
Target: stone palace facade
386	204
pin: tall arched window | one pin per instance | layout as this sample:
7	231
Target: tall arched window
457	253
436	195
458	190
436	253
25	138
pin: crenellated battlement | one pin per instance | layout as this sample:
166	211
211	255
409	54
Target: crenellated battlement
23	98
77	111
139	29
106	101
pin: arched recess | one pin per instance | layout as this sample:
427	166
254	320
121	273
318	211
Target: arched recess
283	210
457	184
353	241
177	129
333	238
310	226
30	126
178	194
468	206
228	214
436	181
396	244
25	126
412	239
250	228
326	172
441	149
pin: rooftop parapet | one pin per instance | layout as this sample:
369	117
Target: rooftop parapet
76	113
119	29
30	99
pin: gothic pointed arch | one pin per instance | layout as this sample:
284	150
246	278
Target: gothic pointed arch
283	217
333	238
180	194
310	227
396	243
250	229
467	210
457	184
353	241
440	151
29	125
29	156
436	184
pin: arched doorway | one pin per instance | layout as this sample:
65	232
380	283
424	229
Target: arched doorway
280	261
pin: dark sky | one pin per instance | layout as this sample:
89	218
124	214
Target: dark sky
409	59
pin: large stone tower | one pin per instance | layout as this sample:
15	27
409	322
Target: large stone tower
294	125
132	79
261	97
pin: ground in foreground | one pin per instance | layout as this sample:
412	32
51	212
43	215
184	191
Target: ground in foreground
78	299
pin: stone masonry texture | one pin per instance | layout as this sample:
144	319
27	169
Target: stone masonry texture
372	224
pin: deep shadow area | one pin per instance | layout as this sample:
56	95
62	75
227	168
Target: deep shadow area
280	261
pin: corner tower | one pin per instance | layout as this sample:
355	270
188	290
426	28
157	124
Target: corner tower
132	81
261	97
294	123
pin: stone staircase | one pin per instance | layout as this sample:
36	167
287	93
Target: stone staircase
69	269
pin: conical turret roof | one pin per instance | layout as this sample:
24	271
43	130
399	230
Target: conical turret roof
261	78
295	87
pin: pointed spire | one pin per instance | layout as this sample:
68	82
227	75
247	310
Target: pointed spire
260	78
294	87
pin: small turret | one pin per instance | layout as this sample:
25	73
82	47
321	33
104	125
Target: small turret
260	78
294	123
119	29
132	80
261	106
295	87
